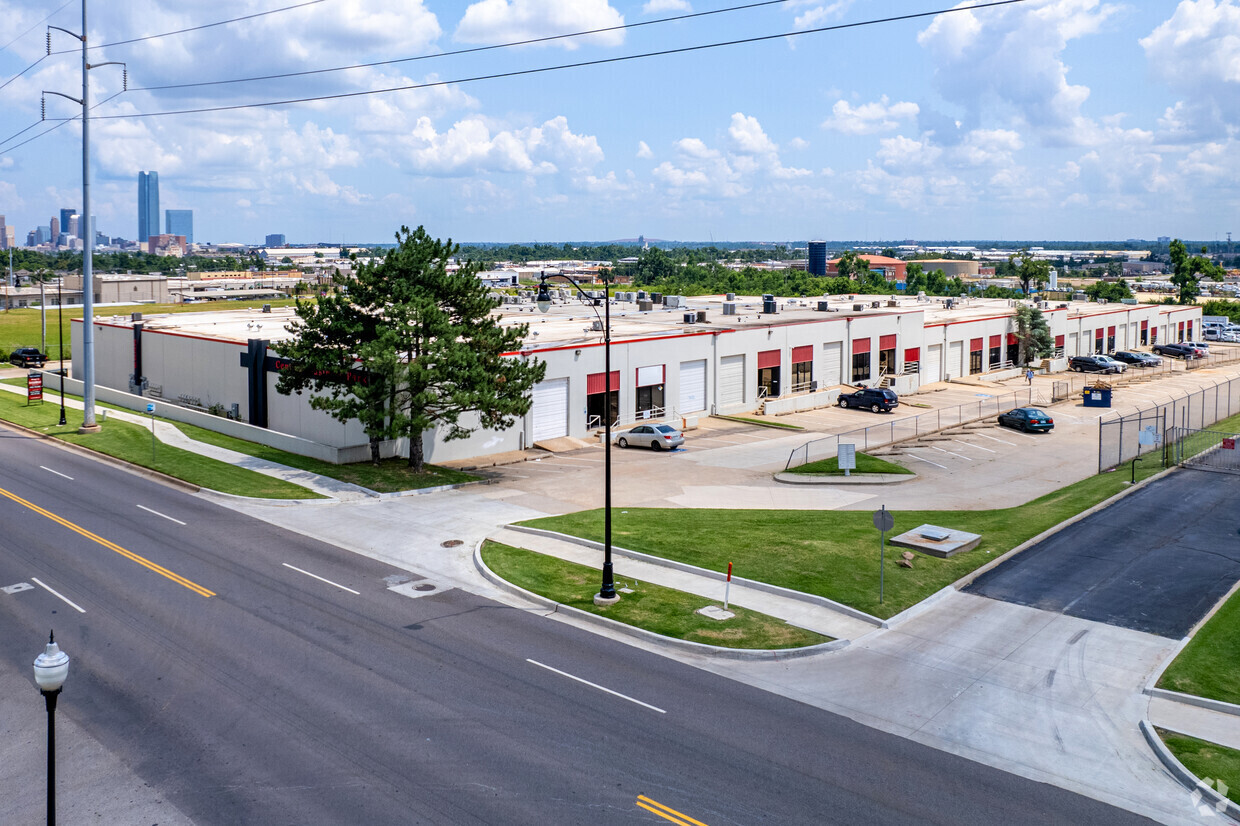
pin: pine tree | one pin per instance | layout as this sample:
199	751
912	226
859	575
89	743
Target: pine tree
405	347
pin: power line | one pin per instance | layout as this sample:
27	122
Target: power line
63	121
560	67
35	26
473	50
197	28
23	71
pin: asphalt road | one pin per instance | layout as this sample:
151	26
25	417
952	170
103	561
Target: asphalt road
1156	561
283	698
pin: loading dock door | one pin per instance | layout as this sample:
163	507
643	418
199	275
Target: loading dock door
832	353
932	367
955	360
692	386
731	381
550	408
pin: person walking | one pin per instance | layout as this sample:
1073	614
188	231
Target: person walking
1029	376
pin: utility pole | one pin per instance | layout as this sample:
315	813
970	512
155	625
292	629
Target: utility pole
88	281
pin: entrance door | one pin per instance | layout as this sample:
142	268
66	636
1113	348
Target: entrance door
768	380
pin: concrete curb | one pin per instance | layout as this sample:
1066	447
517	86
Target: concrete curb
650	637
637	556
86	452
859	479
397	494
1193	700
1209	796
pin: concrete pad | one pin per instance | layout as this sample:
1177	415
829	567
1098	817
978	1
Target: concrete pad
944	543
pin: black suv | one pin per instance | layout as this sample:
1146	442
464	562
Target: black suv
27	357
1180	351
1095	364
876	399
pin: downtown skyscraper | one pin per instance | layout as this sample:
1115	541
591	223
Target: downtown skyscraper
148	205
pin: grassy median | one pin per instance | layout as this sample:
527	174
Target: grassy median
1207	666
865	464
132	443
662	610
835	554
1209	761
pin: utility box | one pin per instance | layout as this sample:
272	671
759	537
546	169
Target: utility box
1097	397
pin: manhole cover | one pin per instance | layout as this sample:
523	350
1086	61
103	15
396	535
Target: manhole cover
451	543
426	586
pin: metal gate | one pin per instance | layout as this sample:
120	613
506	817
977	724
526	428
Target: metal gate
1206	450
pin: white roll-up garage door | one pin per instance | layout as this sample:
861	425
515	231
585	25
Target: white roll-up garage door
550	409
692	386
832	355
932	367
1073	339
955	360
731	381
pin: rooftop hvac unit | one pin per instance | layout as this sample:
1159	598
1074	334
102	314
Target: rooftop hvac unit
1043	305
657	298
768	297
893	303
729	308
858	308
690	318
671	301
769	306
874	305
641	295
949	303
644	305
701	316
596	326
730	297
822	306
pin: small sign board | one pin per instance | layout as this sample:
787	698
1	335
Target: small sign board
150	407
1229	444
883	520
847	457
34	387
1148	435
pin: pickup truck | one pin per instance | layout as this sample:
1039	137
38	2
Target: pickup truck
27	357
873	398
1096	364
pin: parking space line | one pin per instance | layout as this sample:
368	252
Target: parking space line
993	439
321	579
57	472
927	461
979	447
595	685
960	455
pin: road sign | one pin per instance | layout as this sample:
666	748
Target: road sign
150	407
883	520
34	387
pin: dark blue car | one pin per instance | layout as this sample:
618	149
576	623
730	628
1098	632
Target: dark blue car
1027	419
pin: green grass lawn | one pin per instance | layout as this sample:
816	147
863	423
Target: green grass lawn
834	554
1208	665
761	422
865	464
1206	760
661	610
133	444
392	475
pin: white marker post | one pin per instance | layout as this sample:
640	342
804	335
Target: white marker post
150	408
727	588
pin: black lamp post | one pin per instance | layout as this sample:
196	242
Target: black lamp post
50	670
60	326
607	594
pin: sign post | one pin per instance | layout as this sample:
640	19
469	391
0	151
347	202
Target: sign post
150	408
846	458
727	588
884	521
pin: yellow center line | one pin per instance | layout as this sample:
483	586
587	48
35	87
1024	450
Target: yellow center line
667	812
112	546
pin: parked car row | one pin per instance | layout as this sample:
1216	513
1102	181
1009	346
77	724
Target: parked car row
1096	364
1181	350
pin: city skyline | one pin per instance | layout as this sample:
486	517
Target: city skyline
1076	119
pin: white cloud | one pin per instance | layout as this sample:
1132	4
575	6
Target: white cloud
905	153
470	147
798	143
821	15
1197	53
868	118
748	137
643	150
511	21
658	6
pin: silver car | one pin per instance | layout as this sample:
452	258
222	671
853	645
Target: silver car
656	436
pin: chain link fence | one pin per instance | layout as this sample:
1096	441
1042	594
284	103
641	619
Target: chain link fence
1119	440
899	430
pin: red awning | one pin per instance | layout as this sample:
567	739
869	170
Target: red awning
1098	334
1011	338
768	358
887	343
1058	341
975	346
861	345
1111	331
912	354
800	354
994	341
1145	325
597	382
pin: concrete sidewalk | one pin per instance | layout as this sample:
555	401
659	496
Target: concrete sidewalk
1202	723
172	436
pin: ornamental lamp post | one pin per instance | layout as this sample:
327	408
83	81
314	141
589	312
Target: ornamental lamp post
607	593
50	670
60	327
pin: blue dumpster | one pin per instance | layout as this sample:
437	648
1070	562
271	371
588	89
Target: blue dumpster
1097	397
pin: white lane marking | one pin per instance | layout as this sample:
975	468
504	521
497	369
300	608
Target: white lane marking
927	461
164	515
62	597
320	579
595	685
960	455
57	472
993	439
970	444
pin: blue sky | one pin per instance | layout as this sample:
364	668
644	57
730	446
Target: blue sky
1055	119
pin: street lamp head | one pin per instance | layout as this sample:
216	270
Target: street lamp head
51	667
544	298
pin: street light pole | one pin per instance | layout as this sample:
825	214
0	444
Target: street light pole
50	670
607	593
60	327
